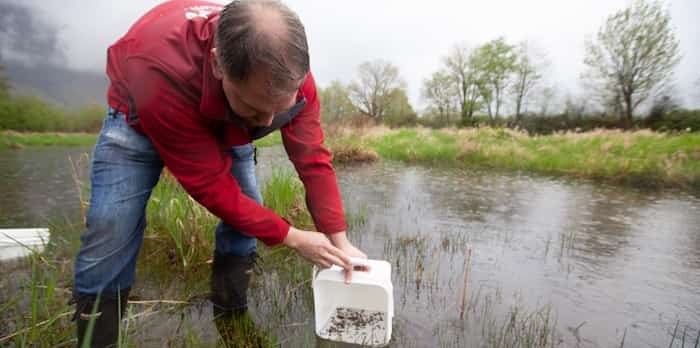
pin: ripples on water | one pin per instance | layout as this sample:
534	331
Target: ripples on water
603	258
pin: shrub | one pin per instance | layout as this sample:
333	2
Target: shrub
31	114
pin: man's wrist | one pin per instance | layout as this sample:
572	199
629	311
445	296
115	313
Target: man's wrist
290	240
339	238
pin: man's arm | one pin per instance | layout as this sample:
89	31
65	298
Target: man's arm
303	141
196	159
193	155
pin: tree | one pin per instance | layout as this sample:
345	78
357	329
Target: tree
399	111
527	73
441	93
575	107
335	102
546	99
632	57
4	84
460	65
371	92
494	62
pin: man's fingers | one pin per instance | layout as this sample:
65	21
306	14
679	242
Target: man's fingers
332	259
346	264
348	277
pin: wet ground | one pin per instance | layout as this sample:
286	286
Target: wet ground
582	263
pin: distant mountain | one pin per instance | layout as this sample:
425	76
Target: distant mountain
57	84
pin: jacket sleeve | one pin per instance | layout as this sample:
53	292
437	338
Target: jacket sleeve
192	153
303	141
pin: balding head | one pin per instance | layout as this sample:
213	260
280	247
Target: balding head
263	37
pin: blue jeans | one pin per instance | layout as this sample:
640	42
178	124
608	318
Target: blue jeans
125	168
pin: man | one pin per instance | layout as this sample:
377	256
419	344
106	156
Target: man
192	84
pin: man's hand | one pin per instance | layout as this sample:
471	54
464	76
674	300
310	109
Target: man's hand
316	247
340	240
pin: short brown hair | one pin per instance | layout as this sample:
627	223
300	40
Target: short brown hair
243	43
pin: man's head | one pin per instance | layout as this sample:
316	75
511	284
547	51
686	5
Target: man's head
261	56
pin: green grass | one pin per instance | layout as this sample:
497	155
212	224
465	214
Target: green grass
32	114
14	140
641	158
274	138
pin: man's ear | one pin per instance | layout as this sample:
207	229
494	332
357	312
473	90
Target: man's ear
215	66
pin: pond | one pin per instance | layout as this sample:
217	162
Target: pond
586	263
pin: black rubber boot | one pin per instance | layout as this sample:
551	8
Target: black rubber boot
230	278
110	309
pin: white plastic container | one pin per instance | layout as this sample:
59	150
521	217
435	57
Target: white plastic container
360	312
21	242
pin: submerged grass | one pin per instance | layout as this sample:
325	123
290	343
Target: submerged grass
173	273
642	158
174	266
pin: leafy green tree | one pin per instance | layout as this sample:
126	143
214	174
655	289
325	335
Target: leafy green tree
4	84
335	102
632	56
494	62
460	64
399	111
442	95
371	92
527	72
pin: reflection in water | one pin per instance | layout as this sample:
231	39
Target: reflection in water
607	259
37	185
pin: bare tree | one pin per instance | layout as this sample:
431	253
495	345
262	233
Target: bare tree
633	56
441	93
460	66
494	62
372	91
527	72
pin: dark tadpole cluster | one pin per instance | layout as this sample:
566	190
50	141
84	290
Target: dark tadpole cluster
357	326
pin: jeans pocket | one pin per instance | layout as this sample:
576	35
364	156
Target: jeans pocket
117	134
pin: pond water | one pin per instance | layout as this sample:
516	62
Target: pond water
594	262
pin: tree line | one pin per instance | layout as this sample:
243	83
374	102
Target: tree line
628	63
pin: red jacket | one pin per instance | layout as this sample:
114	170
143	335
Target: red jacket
162	64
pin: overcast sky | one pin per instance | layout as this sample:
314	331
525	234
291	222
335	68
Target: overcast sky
413	35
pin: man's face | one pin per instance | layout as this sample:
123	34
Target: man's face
250	99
